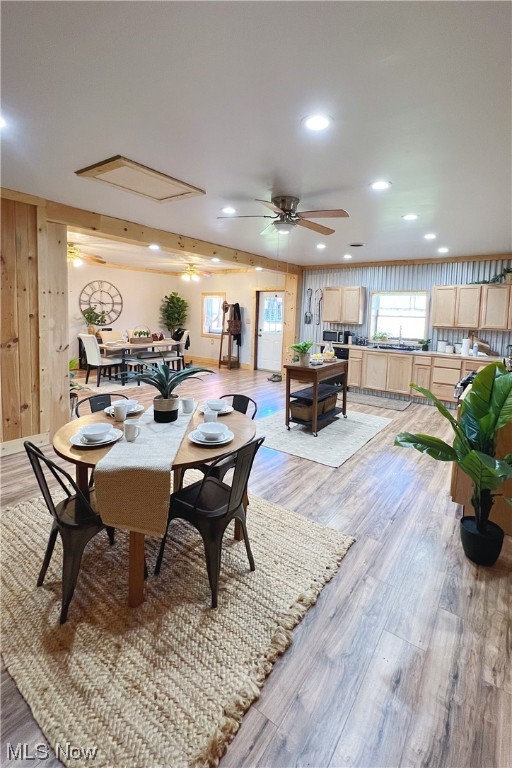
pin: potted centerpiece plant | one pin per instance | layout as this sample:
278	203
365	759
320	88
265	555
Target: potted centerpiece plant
173	312
302	348
165	380
485	410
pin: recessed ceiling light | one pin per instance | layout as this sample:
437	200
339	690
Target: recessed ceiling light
380	185
154	247
215	260
347	256
321	246
317	122
410	217
3	122
430	236
229	209
442	250
258	269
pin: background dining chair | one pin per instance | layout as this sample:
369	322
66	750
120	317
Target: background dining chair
74	520
95	360
210	505
108	336
243	404
97	402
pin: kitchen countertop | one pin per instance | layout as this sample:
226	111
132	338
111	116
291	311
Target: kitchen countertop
481	359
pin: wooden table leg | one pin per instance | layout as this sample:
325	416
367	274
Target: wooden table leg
82	477
136	570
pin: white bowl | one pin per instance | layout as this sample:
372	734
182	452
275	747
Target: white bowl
212	431
95	433
216	405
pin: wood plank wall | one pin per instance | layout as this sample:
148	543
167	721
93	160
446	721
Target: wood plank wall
20	323
34	395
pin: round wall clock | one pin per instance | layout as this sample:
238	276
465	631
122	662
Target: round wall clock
103	297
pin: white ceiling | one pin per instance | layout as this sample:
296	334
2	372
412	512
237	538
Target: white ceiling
213	93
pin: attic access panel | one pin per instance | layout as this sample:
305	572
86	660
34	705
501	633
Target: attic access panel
126	174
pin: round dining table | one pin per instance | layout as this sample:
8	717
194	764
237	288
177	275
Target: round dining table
189	455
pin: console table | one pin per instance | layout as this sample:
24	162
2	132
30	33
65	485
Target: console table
315	374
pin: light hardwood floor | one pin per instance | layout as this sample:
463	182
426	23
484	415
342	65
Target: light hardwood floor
405	660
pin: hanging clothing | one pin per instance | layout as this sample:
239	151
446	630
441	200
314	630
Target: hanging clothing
235	323
178	335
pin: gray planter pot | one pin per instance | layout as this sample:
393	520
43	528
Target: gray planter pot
165	410
304	358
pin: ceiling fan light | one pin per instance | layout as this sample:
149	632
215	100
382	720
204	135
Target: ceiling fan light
284	227
77	262
185	276
195	278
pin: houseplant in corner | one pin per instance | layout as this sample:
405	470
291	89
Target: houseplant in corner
165	380
302	348
173	311
484	411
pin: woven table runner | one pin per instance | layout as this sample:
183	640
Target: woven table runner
133	481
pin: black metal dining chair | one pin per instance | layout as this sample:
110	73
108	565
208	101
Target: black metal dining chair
97	402
74	520
243	404
210	505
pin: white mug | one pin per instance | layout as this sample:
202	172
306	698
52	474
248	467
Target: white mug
131	430
187	404
210	415
120	411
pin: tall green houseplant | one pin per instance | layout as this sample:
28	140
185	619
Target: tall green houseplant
486	409
173	311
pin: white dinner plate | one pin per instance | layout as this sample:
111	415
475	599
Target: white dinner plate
79	441
197	438
227	409
109	410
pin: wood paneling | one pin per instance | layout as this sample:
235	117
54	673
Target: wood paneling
20	359
292	288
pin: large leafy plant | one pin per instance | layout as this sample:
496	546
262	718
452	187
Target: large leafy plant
173	311
165	379
302	347
485	410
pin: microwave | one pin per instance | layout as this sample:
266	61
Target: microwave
330	335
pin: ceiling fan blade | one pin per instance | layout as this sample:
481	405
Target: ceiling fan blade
315	227
92	259
269	228
338	213
261	216
270	205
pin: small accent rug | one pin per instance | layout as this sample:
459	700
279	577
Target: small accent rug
335	443
169	682
377	402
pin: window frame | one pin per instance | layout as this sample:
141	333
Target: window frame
205	295
405	335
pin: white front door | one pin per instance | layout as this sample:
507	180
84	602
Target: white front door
270	330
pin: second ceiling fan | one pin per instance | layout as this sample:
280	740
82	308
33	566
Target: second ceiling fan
287	216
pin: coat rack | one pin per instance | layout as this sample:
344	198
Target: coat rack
231	327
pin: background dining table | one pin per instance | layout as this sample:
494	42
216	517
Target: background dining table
189	455
124	347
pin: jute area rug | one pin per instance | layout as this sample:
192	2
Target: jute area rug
378	402
335	443
165	684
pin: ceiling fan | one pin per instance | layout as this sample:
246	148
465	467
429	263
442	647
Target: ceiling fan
193	273
287	216
76	257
